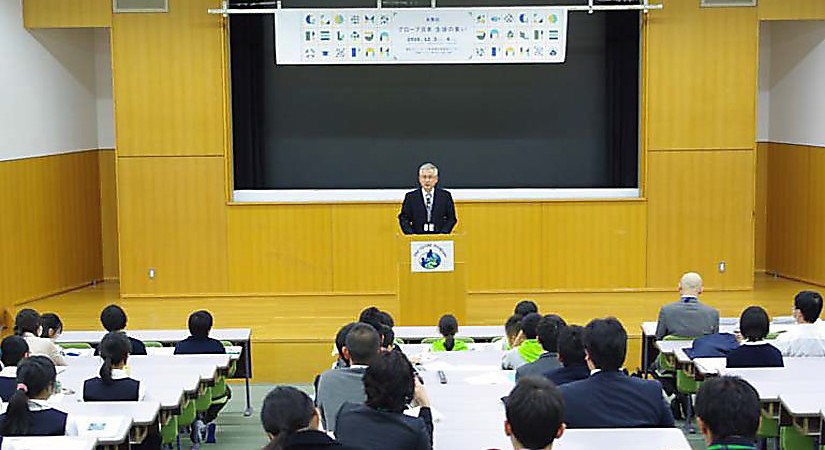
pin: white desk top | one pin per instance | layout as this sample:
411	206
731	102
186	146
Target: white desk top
116	429
473	331
142	413
50	443
623	439
165	336
727	325
803	403
718	365
668	347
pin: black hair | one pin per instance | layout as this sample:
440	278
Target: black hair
571	347
373	317
729	406
529	325
513	325
362	343
389	382
388	336
114	349
386	319
38	374
113	318
754	323
535	411
200	322
606	341
809	303
285	411
525	307
448	327
341	339
51	321
27	321
547	331
12	350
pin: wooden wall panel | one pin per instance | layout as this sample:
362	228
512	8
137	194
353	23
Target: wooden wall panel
280	249
816	219
363	243
172	218
761	209
168	81
67	13
701	77
108	214
50	237
594	245
791	9
700	212
788	209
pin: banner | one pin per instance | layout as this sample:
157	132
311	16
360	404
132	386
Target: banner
421	36
432	256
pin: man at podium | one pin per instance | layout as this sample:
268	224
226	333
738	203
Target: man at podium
428	210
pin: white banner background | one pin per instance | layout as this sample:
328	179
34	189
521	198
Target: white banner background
421	36
432	256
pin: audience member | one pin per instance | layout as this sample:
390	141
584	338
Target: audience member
547	335
114	383
529	349
52	326
525	307
571	355
113	318
390	385
340	342
807	337
199	342
687	317
512	330
28	412
29	325
448	327
292	423
380	322
535	414
12	350
754	351
609	398
338	386
728	413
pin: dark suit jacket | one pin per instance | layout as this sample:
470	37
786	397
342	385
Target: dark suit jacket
547	361
568	374
138	348
615	400
199	346
368	428
413	213
762	355
313	440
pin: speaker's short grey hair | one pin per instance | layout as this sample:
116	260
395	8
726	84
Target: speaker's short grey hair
428	166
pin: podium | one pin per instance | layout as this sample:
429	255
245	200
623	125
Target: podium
426	289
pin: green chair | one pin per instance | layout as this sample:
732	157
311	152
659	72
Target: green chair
169	433
768	428
204	400
153	344
398	341
233	363
791	439
75	345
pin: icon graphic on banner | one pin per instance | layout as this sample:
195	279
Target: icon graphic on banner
538	34
538	18
552	18
524	51
339	19
430	261
370	18
340	35
523	18
384	52
383	19
325	53
494	35
523	34
370	53
355	19
355	36
309	36
369	35
508	18
354	51
481	19
481	34
325	20
511	34
340	53
553	52
384	37
310	19
325	35
538	51
495	19
494	52
309	53
480	52
509	51
553	35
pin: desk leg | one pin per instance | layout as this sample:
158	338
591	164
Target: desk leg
645	367
248	411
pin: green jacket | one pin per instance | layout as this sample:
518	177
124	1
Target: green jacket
438	346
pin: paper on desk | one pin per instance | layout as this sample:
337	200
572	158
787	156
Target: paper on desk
99	426
497	377
413	412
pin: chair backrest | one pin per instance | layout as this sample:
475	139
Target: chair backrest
153	344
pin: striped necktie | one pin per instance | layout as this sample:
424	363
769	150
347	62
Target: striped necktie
428	201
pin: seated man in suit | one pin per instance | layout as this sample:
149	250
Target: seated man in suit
529	349
428	210
338	386
609	398
571	355
807	337
535	414
687	317
728	413
547	334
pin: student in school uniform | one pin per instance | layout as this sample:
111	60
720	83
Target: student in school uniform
529	349
807	337
28	412
12	350
52	326
512	330
340	342
380	423
448	327
29	325
571	355
113	318
609	398
728	413
114	383
292	422
525	307
547	334
535	414
754	351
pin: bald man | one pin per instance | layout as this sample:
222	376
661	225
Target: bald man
687	317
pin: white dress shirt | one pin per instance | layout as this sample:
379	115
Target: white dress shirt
45	347
804	339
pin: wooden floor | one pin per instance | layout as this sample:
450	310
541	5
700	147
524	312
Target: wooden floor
292	337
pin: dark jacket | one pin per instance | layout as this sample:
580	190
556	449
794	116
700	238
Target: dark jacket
546	362
8	386
712	346
46	422
199	346
313	440
137	347
761	355
615	400
368	428
568	374
413	213
122	390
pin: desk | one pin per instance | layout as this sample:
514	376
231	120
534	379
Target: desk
803	411
238	336
114	436
50	443
143	414
477	332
